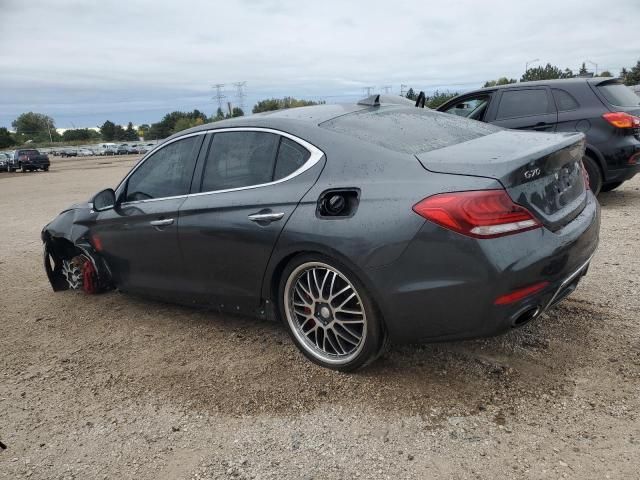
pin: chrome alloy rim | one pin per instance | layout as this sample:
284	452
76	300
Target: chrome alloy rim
325	313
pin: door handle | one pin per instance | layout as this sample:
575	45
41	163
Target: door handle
161	223
266	217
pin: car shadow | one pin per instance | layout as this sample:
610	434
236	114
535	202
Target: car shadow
621	198
242	366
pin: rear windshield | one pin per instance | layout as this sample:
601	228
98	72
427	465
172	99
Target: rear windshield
28	152
619	95
408	130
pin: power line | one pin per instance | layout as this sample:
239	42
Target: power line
219	96
240	93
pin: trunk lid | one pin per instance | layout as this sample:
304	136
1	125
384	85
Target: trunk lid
542	172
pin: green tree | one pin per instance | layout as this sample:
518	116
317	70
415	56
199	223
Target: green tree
438	98
631	77
548	72
108	131
500	81
583	70
35	126
167	125
130	133
606	73
6	139
79	134
282	103
120	133
143	130
219	115
411	94
236	112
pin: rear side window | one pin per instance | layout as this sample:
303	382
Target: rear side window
523	103
619	95
564	100
291	156
166	173
239	159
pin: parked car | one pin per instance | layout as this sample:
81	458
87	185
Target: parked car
85	152
122	150
29	159
353	224
4	162
69	152
604	109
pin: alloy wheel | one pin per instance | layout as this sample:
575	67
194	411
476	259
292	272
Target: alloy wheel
325	312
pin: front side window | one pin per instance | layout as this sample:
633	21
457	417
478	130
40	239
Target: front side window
166	173
470	107
523	103
239	159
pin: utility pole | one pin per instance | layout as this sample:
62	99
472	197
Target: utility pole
240	93
387	89
219	94
594	64
368	90
526	65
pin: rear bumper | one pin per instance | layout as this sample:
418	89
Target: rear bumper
444	285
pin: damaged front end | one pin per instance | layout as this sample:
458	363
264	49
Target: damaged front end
71	258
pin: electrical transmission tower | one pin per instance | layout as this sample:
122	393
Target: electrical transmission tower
387	89
240	94
219	94
368	90
402	89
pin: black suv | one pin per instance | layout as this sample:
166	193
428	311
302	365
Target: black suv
604	109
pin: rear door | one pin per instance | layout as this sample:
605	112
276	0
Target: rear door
251	181
529	108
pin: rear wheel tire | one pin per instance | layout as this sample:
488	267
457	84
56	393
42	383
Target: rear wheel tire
595	174
329	314
607	187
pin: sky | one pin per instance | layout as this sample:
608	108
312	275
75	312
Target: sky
83	62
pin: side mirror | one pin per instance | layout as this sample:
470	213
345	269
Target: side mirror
104	200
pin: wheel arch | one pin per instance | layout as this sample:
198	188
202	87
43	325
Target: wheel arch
594	153
277	265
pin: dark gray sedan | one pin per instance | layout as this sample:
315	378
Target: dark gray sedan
353	224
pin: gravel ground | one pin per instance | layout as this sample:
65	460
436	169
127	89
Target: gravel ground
114	386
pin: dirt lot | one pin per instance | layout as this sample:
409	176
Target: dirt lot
112	386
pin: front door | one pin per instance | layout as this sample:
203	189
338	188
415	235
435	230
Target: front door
139	237
251	183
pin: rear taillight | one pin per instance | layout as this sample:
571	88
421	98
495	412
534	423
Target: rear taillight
479	214
585	176
622	120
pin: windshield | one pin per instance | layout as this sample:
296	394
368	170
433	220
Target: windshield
619	95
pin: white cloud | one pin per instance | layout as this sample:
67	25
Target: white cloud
137	59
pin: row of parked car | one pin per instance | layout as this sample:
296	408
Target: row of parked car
30	159
104	149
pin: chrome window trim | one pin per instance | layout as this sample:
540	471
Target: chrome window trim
315	156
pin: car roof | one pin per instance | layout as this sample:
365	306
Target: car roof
557	82
310	116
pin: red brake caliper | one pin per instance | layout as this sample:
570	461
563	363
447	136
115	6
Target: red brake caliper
89	277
